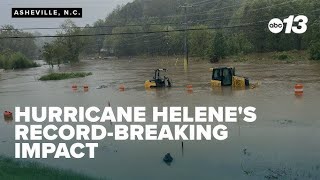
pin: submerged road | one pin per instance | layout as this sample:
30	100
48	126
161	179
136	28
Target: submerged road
282	142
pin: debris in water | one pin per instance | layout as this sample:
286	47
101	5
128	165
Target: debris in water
277	171
101	87
255	85
284	122
245	152
168	159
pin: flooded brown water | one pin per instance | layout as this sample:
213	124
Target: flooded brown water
283	142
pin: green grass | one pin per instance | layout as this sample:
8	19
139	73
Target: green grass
293	56
61	76
11	169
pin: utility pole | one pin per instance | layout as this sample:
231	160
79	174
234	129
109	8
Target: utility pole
167	41
145	37
186	50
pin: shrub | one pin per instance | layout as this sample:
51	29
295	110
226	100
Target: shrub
15	60
61	76
281	56
22	170
314	51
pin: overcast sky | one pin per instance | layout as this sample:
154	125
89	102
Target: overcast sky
92	10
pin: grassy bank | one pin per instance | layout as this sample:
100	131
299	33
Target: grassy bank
266	58
273	57
16	170
15	60
61	76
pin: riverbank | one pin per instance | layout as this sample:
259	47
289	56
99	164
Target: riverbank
23	170
284	57
273	57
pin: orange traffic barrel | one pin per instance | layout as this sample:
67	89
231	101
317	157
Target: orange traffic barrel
8	118
74	88
86	88
298	89
7	114
189	88
121	87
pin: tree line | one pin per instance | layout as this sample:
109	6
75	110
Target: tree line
249	19
226	27
17	53
207	43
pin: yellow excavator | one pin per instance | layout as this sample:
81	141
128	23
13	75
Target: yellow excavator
157	81
226	76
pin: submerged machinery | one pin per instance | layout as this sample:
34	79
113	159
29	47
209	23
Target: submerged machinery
226	76
221	76
157	80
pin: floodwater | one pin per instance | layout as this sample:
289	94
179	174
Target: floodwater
283	143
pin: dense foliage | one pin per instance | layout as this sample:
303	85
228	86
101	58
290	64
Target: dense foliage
15	60
64	49
65	75
220	28
25	46
22	170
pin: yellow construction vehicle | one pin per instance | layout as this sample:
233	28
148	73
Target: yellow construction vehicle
157	81
226	76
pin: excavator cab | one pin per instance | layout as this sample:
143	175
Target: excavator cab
226	76
157	81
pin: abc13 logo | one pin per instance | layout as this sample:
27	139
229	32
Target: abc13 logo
291	24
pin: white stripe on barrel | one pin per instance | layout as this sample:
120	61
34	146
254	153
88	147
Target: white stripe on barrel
298	89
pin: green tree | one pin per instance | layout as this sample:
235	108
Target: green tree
67	48
314	50
26	46
48	54
199	42
15	60
219	46
55	52
71	43
237	43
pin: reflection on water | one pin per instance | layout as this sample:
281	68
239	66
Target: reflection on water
282	143
8	119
